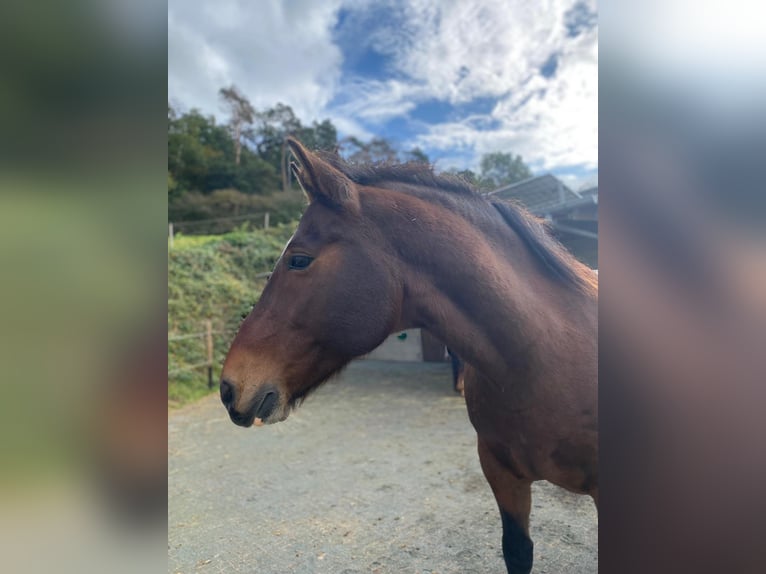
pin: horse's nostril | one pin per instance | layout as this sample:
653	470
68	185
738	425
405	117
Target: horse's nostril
227	393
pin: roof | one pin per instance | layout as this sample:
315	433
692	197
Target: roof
538	194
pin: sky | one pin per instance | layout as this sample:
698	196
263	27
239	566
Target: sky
457	78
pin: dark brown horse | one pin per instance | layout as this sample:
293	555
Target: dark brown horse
458	372
381	249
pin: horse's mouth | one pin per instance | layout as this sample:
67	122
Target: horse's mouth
266	409
241	420
275	417
278	415
269	410
265	406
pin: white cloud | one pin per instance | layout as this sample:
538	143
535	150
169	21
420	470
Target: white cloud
468	49
460	50
274	51
551	122
348	126
453	51
579	182
558	125
378	101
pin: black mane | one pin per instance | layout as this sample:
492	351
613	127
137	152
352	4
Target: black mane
533	231
536	235
413	173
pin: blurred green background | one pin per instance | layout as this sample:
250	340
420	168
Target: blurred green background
83	229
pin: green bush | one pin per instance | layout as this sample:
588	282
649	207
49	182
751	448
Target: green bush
213	278
191	212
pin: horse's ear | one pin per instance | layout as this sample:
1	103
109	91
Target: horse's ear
321	181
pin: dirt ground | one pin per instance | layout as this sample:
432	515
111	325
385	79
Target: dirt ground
376	472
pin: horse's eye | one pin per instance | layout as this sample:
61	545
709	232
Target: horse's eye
300	261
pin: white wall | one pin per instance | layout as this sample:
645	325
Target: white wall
396	349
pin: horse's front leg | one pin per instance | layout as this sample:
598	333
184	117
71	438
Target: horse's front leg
514	497
458	372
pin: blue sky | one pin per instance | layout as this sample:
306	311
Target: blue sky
457	78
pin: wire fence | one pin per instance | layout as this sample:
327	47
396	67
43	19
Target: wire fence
216	225
207	336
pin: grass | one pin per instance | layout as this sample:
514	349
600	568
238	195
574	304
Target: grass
213	278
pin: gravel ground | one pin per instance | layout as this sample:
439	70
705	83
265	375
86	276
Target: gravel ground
376	472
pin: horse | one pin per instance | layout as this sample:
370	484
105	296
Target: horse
458	372
383	248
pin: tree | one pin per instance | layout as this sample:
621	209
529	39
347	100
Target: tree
173	189
242	115
325	136
189	137
499	169
468	175
248	154
274	126
202	158
416	155
255	176
378	150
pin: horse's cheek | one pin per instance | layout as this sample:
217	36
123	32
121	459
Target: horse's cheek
358	318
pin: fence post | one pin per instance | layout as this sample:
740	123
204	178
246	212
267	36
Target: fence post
209	339
266	220
170	234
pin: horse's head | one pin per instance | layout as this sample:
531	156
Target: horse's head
332	296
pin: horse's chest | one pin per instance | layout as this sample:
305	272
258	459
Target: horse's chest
495	409
518	434
521	443
534	439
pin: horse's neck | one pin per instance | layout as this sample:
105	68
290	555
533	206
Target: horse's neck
486	320
484	297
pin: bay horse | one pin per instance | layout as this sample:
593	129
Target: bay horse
381	249
458	372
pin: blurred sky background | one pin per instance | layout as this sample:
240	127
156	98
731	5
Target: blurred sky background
456	78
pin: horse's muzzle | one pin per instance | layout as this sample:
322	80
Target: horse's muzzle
227	393
261	407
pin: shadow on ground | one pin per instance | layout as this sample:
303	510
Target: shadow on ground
376	472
